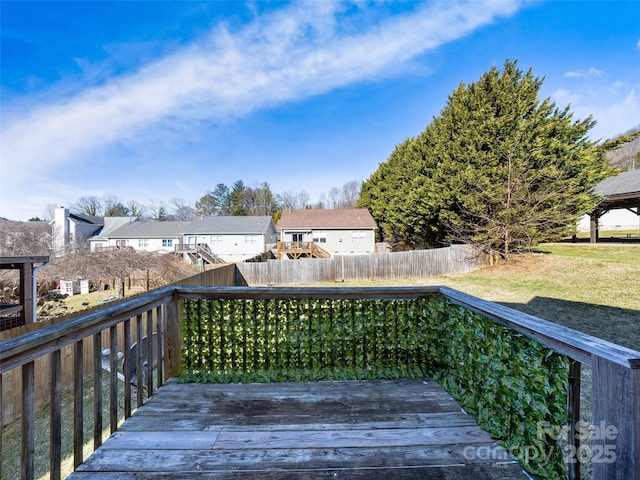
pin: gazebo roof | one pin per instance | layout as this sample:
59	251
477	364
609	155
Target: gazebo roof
621	191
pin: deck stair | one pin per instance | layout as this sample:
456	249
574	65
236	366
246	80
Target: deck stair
199	251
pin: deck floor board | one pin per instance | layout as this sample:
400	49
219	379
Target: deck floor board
385	429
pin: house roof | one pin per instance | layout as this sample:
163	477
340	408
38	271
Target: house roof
205	225
149	229
222	225
111	224
332	219
81	218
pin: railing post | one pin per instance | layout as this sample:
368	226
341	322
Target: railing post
55	426
97	390
78	403
616	420
573	411
28	421
173	353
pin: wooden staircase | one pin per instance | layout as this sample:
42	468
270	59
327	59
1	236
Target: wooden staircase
197	251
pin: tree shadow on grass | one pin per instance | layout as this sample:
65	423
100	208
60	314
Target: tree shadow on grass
616	325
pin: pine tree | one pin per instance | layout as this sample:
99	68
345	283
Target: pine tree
498	168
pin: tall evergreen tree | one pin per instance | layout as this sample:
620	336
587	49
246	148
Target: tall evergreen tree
237	196
498	168
222	197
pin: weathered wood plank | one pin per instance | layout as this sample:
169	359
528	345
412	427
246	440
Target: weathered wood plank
238	440
154	440
265	460
186	422
350	389
378	429
457	472
616	415
308	438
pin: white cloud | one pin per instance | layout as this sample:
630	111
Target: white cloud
591	73
616	109
638	44
295	52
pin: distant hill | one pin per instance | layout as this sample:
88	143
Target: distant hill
627	154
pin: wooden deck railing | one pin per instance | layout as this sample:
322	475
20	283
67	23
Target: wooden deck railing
155	317
298	249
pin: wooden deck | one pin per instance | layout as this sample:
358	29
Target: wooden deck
388	429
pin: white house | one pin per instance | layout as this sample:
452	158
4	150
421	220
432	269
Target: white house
233	238
149	236
72	230
101	239
336	231
213	239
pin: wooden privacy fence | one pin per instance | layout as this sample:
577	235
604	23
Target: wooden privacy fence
411	264
615	448
220	275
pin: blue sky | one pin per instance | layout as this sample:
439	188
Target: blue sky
151	101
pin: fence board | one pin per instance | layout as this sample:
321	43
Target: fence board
397	265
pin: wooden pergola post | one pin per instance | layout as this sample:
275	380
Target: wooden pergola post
26	266
594	231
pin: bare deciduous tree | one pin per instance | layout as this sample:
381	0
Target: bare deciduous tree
156	210
89	206
350	192
181	209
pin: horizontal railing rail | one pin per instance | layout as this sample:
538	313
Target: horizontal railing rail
616	369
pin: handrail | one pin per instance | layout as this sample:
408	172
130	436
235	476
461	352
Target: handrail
616	369
25	348
572	343
576	345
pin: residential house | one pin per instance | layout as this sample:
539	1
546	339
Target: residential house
149	236
72	230
325	232
100	241
206	239
230	239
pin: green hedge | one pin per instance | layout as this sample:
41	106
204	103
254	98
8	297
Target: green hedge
512	385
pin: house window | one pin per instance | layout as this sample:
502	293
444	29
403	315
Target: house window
216	239
143	242
167	242
358	237
251	239
121	243
296	237
319	237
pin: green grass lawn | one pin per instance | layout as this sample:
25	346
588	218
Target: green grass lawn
634	232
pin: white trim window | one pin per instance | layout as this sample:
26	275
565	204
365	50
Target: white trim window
358	237
167	242
143	242
251	239
319	237
216	239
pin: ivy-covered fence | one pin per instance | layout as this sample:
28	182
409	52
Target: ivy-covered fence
511	384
